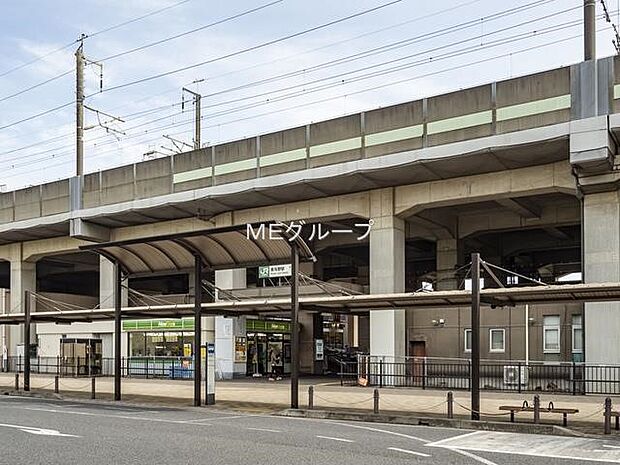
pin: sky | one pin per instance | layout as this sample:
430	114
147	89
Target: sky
253	77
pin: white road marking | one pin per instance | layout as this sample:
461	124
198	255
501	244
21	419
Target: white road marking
533	445
611	447
267	430
39	431
425	441
104	415
197	420
406	451
335	439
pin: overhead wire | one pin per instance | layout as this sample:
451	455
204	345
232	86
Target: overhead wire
248	49
102	31
229	55
453	28
305	104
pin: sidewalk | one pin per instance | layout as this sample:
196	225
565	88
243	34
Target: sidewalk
262	396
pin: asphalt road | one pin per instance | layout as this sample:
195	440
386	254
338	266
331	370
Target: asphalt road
38	431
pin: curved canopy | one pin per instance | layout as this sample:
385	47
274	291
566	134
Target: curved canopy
219	248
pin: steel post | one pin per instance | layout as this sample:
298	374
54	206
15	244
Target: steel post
27	341
294	326
118	280
475	336
197	329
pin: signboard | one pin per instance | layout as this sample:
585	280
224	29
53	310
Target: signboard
267	326
159	325
318	350
274	271
240	350
210	376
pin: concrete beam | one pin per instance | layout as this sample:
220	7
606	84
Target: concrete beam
550	216
522	207
510	184
85	230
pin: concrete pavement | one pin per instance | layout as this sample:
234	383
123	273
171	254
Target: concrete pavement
60	432
264	396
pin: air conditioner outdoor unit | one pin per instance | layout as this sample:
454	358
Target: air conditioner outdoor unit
511	375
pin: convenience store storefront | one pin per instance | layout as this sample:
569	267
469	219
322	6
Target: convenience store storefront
264	337
160	338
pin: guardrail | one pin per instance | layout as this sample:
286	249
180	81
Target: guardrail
515	376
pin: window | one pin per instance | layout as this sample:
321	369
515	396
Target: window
497	340
551	334
467	338
577	334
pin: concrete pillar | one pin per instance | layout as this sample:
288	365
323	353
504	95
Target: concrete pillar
601	244
226	329
23	278
446	258
106	300
387	274
106	285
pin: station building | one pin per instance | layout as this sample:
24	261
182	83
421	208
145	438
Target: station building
522	171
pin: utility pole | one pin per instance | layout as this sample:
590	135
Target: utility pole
197	117
79	108
589	30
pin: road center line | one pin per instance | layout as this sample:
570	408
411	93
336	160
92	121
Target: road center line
407	451
335	439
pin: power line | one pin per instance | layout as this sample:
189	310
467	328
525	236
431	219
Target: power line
139	18
28	89
256	47
305	104
325	99
306	91
102	31
249	49
192	31
365	54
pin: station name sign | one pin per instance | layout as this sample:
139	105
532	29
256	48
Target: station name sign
274	271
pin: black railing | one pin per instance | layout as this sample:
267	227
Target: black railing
568	378
138	367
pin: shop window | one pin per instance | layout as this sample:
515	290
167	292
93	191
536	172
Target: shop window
497	340
551	334
577	330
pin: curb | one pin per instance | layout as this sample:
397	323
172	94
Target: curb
436	422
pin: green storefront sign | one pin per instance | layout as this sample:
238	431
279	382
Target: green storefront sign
267	326
183	324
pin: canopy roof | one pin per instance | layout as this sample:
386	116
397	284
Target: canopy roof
561	294
219	248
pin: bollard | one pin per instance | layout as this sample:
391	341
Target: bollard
92	388
56	382
607	415
17	381
310	397
375	397
450	405
537	409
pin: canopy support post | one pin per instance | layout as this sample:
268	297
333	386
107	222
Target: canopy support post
197	328
475	336
118	289
27	341
294	326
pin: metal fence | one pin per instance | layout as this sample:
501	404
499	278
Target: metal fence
455	374
137	367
